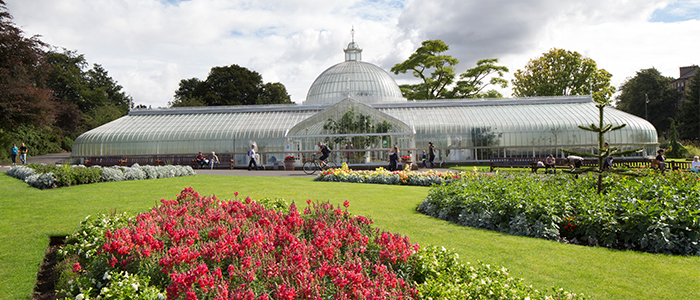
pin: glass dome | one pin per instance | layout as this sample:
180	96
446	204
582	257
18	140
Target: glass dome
354	79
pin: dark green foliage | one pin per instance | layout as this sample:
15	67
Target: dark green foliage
231	85
274	93
657	214
690	111
663	100
677	150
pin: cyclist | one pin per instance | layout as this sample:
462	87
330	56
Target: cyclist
325	151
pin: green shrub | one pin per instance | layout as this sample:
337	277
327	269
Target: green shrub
657	214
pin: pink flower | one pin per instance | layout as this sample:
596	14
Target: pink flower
76	267
235	194
346	203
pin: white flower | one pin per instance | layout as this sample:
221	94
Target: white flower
79	297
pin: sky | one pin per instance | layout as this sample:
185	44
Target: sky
148	46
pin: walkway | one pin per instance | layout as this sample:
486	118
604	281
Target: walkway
60	157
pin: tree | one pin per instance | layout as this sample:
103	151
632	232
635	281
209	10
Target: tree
98	98
352	123
428	58
274	93
186	94
24	96
232	85
649	84
559	73
690	111
471	82
603	152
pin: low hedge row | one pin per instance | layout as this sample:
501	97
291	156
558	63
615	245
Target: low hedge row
655	213
44	176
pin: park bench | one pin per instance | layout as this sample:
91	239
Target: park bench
513	162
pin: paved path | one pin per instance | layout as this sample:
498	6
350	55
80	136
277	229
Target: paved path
62	157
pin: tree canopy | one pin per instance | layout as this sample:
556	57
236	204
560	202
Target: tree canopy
690	111
229	85
437	73
428	57
471	83
560	73
649	84
48	98
24	96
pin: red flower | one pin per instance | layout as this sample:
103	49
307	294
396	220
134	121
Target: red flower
76	267
346	203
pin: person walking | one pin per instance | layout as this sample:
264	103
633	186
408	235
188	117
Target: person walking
23	154
14	153
424	158
431	154
251	155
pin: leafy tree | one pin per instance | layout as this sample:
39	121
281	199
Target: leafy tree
559	73
649	84
232	85
97	97
187	94
471	83
24	96
354	123
690	111
428	57
274	93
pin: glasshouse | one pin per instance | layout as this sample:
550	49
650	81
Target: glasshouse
356	108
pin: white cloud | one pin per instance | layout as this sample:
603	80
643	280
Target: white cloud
148	46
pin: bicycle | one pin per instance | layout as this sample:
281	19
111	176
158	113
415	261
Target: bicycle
310	166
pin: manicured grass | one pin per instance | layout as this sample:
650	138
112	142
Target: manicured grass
29	216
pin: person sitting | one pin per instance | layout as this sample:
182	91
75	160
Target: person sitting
201	160
661	160
695	165
214	160
550	163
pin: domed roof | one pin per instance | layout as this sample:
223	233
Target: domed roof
354	79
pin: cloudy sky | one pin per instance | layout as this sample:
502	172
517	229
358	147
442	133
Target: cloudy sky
148	46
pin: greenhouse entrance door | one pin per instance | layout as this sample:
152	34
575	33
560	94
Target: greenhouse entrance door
356	133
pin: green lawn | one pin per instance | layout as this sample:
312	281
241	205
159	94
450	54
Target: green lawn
29	216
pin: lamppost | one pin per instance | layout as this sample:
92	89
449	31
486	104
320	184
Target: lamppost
646	101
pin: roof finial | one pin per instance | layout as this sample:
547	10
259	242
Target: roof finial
352	32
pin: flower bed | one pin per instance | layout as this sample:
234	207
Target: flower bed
383	176
44	176
657	214
202	248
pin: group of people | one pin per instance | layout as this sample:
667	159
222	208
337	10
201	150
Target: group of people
204	161
573	161
21	152
426	158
